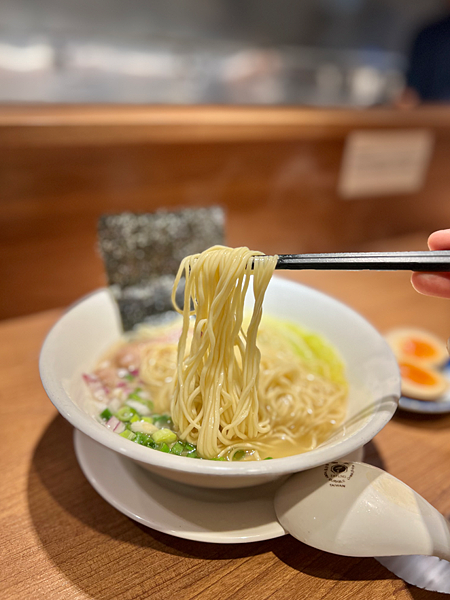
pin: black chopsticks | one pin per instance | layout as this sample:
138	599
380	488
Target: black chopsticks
425	261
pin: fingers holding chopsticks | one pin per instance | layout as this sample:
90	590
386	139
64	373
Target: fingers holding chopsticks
434	284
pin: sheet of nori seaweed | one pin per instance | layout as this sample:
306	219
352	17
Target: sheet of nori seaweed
142	253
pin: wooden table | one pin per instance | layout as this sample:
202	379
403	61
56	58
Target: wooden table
61	540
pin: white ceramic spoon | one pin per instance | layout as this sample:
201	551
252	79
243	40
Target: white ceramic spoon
355	509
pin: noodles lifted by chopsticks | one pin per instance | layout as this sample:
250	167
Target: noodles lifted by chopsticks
215	403
226	399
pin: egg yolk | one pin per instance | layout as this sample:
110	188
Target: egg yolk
418	348
417	374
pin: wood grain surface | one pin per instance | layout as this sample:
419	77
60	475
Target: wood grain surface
62	541
275	170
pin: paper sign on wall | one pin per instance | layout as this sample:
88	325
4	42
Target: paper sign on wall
385	162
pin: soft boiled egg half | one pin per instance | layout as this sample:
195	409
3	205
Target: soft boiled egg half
417	344
420	356
421	382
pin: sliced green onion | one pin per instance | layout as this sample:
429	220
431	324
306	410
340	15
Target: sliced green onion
163	447
147	419
127	434
164	435
192	454
163	421
177	449
268	458
106	414
125	413
128	377
238	455
142	438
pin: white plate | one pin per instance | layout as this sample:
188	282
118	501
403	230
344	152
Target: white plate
221	516
442	405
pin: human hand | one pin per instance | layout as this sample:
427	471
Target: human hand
434	284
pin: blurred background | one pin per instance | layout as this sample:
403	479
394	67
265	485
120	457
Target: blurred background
320	52
311	122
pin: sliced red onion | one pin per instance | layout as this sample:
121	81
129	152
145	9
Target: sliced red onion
89	378
93	382
112	422
119	428
116	425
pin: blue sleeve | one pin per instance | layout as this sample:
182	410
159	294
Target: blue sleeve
420	72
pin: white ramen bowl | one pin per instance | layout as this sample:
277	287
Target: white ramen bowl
87	329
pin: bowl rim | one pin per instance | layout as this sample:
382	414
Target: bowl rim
383	412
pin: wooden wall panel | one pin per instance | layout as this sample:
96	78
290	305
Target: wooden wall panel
274	170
